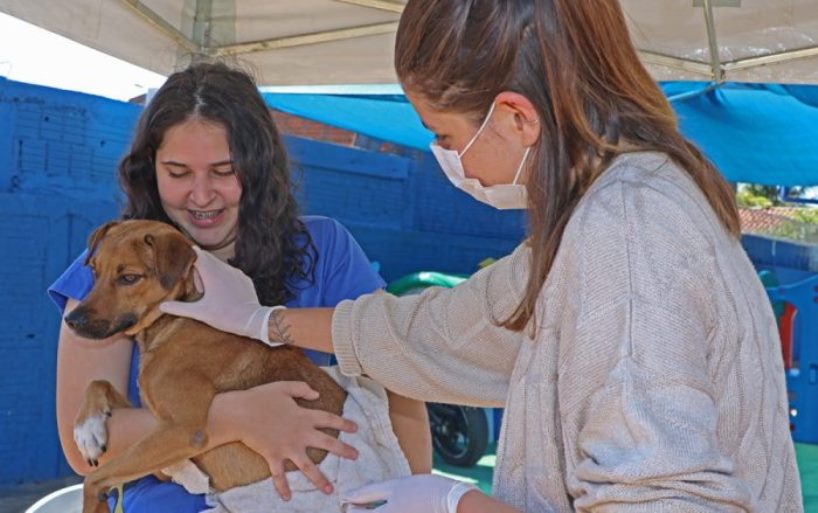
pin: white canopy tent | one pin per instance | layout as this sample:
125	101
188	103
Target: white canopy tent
313	42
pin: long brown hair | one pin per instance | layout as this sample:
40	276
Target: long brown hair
273	246
574	60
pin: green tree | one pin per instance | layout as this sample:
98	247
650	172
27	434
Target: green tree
757	196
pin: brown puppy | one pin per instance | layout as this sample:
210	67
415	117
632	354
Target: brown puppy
183	363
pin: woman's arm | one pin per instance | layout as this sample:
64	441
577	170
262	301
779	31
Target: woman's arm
79	362
410	422
476	502
443	345
308	328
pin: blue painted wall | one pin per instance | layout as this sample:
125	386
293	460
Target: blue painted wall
58	155
402	210
57	150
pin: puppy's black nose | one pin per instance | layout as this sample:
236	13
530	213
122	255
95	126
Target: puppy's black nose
77	319
84	322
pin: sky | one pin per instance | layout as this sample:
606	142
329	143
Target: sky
35	56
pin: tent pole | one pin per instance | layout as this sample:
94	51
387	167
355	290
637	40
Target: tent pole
692	94
307	39
383	5
773	58
160	23
671	61
715	59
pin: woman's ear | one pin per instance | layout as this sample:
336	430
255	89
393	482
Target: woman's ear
524	120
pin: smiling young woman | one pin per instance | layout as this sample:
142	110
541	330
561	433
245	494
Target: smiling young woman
207	158
198	188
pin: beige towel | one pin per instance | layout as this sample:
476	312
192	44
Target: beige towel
379	458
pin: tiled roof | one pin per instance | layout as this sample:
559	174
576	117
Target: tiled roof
777	222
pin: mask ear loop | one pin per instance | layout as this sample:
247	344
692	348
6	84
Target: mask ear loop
479	130
522	163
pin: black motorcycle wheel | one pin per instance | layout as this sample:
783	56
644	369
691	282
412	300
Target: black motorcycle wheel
459	433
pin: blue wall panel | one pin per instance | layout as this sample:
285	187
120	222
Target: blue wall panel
58	152
442	208
58	156
364	187
402	210
41	234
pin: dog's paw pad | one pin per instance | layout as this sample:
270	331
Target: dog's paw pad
91	437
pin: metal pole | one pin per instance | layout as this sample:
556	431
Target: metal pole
715	59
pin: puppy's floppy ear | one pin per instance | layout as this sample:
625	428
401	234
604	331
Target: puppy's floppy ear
173	256
95	238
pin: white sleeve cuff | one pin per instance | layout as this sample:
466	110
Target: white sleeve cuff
455	494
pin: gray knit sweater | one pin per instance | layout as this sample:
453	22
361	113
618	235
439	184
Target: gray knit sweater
654	382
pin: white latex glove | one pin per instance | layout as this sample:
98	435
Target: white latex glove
424	493
229	302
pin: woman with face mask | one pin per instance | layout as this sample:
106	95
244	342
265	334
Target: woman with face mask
628	338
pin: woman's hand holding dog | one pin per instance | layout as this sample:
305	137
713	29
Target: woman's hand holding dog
230	304
234	309
268	420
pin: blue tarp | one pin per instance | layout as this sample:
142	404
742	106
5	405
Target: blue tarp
755	133
389	117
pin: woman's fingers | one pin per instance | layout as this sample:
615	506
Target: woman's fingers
334	446
313	473
325	419
298	389
320	418
279	478
307	466
282	430
213	271
203	268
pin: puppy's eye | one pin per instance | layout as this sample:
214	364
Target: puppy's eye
128	279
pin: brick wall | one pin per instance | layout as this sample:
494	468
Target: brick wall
301	127
309	129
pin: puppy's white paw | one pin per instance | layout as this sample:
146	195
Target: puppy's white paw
91	437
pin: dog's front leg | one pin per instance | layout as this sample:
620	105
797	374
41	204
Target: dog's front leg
91	423
161	448
179	435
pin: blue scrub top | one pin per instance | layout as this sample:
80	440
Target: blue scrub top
342	271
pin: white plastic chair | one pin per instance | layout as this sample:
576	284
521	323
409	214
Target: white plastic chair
64	500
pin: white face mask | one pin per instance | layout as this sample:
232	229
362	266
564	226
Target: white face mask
502	196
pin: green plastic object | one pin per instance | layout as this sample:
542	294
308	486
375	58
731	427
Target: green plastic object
769	280
421	280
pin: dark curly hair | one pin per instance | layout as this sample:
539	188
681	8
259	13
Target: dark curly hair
273	246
